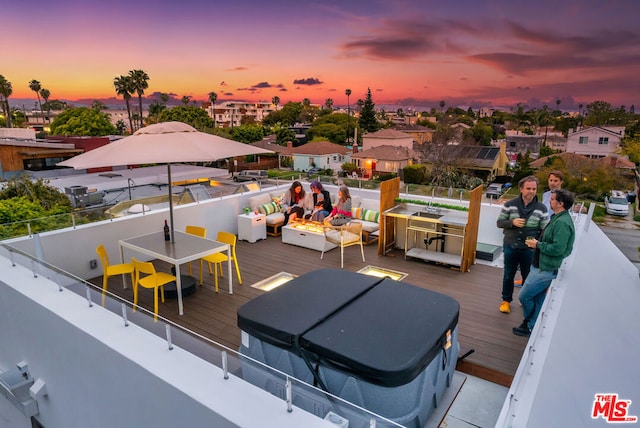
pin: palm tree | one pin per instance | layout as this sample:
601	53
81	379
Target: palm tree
347	92
35	86
329	103
6	90
580	113
186	99
442	103
275	101
124	87
45	94
213	97
140	81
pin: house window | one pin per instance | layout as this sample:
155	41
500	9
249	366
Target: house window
603	140
584	140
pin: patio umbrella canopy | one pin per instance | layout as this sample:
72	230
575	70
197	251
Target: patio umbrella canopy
163	143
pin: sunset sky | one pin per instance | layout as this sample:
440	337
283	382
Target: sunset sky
411	53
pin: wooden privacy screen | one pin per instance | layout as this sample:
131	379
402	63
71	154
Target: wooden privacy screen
389	191
471	234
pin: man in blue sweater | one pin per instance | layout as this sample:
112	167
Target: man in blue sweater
555	243
519	218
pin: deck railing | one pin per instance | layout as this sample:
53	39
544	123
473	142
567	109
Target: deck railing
229	360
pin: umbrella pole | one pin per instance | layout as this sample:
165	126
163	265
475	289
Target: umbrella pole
173	239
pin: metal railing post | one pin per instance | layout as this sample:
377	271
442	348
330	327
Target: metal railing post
168	331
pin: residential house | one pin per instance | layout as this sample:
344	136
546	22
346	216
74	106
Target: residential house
421	134
521	144
595	141
480	161
383	159
20	151
319	154
619	162
387	137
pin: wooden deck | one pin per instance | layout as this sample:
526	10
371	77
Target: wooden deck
481	326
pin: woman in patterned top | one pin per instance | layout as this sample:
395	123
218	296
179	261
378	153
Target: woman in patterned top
341	213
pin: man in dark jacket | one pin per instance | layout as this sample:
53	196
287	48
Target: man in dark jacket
520	218
555	243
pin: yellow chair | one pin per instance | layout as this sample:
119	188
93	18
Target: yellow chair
219	258
197	231
344	236
152	279
111	270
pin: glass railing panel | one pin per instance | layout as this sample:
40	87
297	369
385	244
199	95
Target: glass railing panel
294	393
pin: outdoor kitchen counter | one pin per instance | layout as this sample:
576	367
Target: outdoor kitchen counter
414	224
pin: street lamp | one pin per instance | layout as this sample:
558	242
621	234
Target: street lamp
348	93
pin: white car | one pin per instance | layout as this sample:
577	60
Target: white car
616	203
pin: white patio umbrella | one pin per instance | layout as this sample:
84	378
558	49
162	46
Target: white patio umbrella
163	143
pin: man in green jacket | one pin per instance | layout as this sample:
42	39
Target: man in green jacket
555	243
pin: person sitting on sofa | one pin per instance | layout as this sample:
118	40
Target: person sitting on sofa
293	202
321	202
341	213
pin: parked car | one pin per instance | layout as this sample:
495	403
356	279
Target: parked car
251	175
616	203
495	190
314	171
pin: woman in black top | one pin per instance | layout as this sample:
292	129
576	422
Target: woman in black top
321	202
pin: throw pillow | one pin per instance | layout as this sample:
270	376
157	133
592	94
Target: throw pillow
356	212
270	208
370	215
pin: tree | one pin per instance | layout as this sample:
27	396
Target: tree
98	105
347	92
39	192
6	90
598	113
631	148
442	104
82	121
275	101
368	121
283	135
45	94
186	99
291	113
247	133
480	134
213	97
124	87
121	127
35	86
140	81
194	116
328	131
328	103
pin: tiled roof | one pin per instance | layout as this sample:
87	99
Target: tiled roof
387	134
405	127
316	148
390	153
269	143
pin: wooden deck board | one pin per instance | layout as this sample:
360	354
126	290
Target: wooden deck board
481	326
